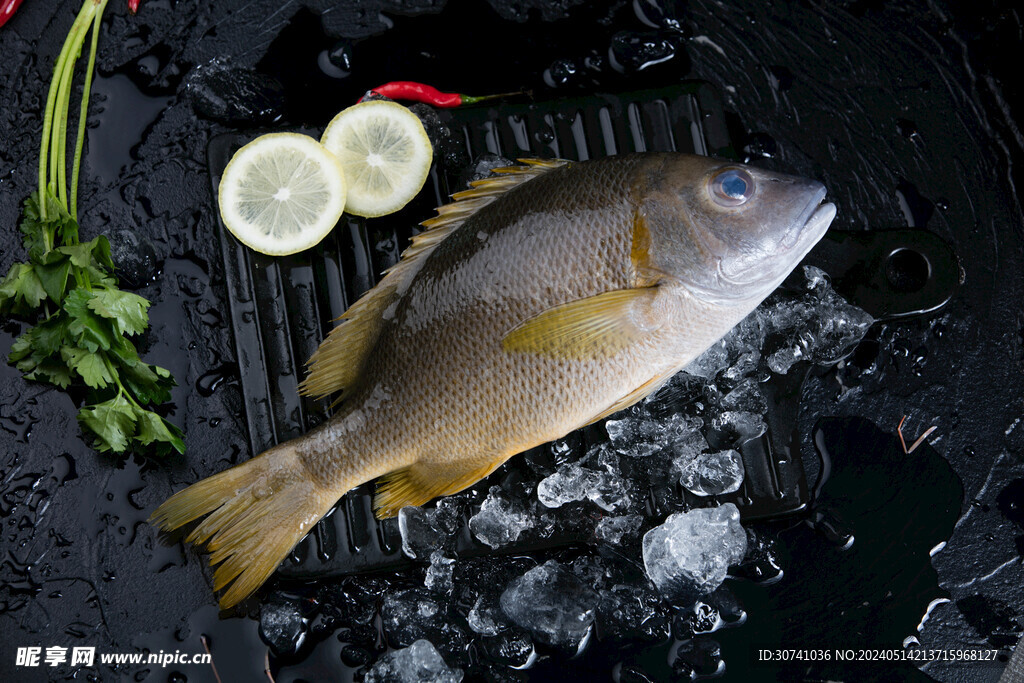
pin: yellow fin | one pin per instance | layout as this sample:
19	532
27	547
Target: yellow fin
483	192
423	481
258	511
595	327
339	361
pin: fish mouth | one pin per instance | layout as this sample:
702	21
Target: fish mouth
811	224
807	230
814	226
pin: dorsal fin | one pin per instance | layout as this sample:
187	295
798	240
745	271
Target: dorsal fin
338	362
483	192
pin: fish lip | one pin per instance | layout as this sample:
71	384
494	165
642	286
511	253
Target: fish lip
817	223
802	224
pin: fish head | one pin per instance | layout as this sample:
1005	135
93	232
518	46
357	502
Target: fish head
728	232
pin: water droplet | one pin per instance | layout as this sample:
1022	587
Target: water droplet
631	51
908	129
760	145
559	73
208	383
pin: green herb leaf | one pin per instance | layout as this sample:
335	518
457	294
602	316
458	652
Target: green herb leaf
52	371
101	252
80	254
113	423
54	277
149	383
22	346
39	234
92	367
89	330
151	428
51	334
21	291
126	309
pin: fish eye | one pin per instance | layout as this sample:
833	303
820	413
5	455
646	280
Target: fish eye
731	187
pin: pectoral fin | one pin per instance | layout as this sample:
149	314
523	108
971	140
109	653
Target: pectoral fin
595	327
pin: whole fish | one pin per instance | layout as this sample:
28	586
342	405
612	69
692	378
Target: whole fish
539	301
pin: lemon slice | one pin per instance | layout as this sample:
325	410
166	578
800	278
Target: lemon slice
385	152
282	193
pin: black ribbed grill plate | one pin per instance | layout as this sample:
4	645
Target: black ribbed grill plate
282	307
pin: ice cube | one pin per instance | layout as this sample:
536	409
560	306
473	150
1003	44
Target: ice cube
501	519
746	395
712	474
613	529
282	626
486	617
687	438
439	573
637	436
744	366
572	483
739	426
820	326
548	600
414	613
418	663
609	493
420	533
568	485
511	649
691	552
641	435
632	611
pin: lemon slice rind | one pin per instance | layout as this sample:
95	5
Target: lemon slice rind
282	193
385	152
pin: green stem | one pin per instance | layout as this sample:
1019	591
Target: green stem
77	163
56	159
60	130
51	98
121	389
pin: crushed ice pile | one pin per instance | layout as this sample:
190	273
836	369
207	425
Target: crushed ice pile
623	531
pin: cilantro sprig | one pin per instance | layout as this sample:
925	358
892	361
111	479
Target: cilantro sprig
83	322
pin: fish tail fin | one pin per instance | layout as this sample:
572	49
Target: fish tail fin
258	511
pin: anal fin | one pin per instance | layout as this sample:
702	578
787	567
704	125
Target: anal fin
421	482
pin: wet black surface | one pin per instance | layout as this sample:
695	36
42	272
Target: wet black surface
903	110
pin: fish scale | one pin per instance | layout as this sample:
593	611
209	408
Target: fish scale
688	118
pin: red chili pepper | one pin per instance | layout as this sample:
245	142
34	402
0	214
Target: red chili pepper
428	94
7	10
133	5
